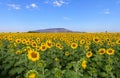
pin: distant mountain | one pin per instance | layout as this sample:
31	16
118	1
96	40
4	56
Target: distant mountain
52	30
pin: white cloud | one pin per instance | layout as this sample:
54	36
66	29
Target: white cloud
27	6
58	3
61	1
105	11
13	6
66	18
33	5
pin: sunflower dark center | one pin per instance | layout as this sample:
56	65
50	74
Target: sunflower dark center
96	39
89	54
110	51
58	44
49	44
102	51
43	47
74	45
34	44
119	41
34	55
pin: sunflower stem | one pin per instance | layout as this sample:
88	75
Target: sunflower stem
43	72
26	60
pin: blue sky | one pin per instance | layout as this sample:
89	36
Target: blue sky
76	15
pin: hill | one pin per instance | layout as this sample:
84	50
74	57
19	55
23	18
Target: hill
52	30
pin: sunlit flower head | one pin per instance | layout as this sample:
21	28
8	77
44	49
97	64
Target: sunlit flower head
102	51
74	45
110	51
89	54
33	55
31	74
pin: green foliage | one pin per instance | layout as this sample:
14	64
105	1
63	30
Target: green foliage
14	62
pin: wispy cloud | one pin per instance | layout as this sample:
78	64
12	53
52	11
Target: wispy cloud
105	11
32	5
67	18
46	2
13	6
56	3
27	6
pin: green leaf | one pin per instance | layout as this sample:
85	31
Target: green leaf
19	70
86	76
12	72
112	75
18	63
4	72
70	74
7	66
103	74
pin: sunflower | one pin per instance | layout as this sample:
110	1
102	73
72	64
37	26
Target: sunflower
37	48
28	48
37	40
84	64
82	41
96	39
23	41
89	54
31	74
107	39
74	45
27	43
0	38
86	47
88	42
109	42
67	53
61	47
33	55
49	43
58	45
112	44
101	51
43	47
11	39
118	41
18	40
34	44
18	52
110	51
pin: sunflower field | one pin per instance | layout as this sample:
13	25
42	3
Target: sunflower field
60	55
